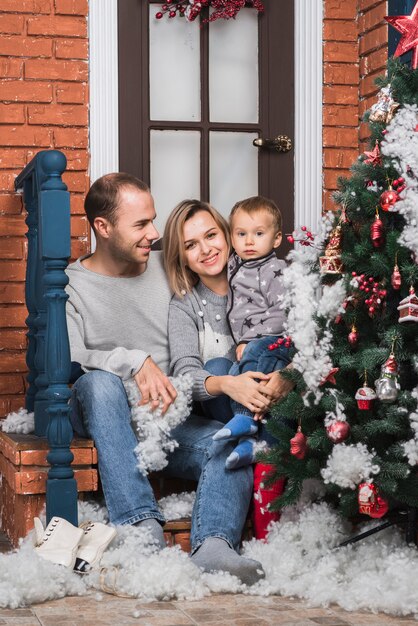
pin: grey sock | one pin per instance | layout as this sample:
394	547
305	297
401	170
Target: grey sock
156	529
215	555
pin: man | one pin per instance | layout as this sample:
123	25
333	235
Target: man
117	316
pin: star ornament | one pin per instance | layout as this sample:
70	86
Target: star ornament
373	156
407	25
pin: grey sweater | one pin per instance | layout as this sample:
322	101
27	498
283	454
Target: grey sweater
198	331
114	324
255	294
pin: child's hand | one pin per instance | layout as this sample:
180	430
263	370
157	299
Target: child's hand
240	351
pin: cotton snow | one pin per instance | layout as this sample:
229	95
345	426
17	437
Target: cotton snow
349	465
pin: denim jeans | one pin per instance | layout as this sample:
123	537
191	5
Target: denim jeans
218	408
100	410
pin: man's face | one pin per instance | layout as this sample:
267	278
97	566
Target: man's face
130	238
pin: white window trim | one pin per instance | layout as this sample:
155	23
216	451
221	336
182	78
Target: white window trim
104	138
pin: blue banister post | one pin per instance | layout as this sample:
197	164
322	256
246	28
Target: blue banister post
52	355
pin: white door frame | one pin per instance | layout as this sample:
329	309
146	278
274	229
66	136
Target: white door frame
104	140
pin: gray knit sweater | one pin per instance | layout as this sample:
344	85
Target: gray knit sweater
198	331
114	324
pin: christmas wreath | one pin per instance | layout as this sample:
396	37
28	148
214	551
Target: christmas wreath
191	9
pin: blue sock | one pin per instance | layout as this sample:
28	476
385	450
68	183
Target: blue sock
242	455
239	426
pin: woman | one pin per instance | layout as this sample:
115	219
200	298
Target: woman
196	250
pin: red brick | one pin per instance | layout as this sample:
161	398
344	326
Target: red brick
13	362
12	226
71	93
71	49
7	180
76	159
372	18
26	6
340	30
70	137
364	133
58	114
340	51
12	113
71	7
79	247
57	26
12	293
10	68
366	104
11	248
18	46
25	136
17	402
12	24
364	5
368	85
13	339
374	61
331	176
340	137
339	158
26	91
335	115
328	201
340	9
12	158
77	204
12	270
51	69
374	39
341	74
11	384
10	204
13	317
340	94
79	226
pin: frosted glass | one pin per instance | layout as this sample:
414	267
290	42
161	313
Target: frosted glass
174	68
175	170
233	168
233	69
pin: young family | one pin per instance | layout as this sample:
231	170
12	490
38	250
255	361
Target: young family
124	322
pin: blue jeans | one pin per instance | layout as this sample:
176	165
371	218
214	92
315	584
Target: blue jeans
100	410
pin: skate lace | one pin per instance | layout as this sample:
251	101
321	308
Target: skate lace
49	530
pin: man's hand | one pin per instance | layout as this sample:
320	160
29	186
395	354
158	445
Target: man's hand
154	386
239	351
275	388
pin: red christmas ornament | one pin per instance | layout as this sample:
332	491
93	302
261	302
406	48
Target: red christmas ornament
407	25
338	431
377	232
330	377
369	501
353	336
408	307
263	496
365	396
396	278
388	199
298	444
373	156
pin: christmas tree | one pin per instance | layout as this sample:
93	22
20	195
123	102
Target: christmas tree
351	420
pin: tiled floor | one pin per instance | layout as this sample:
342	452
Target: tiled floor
101	609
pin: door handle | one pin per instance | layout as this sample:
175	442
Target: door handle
281	143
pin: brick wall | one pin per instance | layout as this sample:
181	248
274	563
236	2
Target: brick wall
43	104
355	52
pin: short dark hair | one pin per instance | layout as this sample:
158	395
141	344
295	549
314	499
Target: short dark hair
102	199
258	203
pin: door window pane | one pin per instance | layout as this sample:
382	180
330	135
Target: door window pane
174	68
233	69
233	167
175	170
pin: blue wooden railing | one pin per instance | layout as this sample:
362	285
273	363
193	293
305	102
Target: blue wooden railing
47	202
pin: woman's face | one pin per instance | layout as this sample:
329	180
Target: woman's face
205	246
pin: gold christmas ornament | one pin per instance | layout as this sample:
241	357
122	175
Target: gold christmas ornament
331	262
385	108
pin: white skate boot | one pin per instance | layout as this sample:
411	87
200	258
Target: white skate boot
96	537
58	542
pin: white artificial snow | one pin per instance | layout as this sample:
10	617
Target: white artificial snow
411	447
177	505
349	465
19	422
338	414
401	144
153	429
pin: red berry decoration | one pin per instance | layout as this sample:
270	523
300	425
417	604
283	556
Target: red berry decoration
338	431
388	199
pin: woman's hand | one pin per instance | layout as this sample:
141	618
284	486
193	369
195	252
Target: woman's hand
247	390
275	388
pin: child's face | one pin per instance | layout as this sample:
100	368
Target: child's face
254	235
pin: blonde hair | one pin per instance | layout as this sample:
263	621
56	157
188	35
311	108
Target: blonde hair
258	203
180	277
